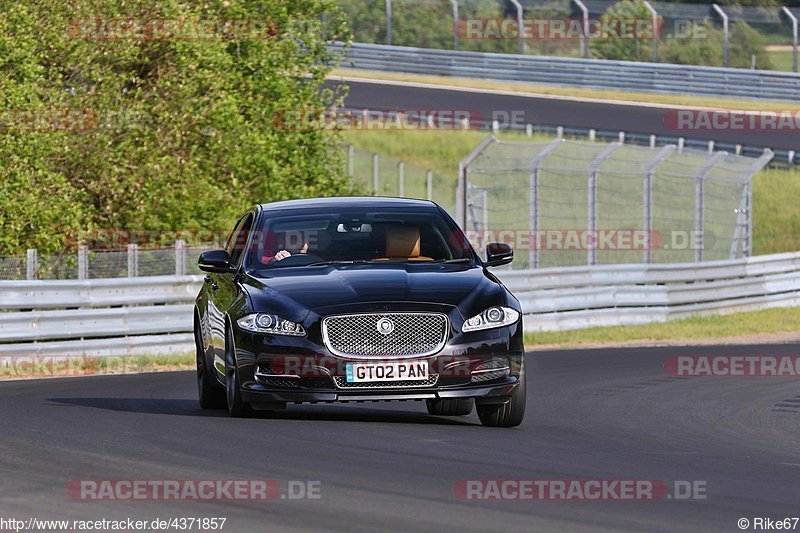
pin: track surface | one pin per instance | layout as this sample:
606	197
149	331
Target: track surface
568	113
601	414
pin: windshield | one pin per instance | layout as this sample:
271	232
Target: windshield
356	235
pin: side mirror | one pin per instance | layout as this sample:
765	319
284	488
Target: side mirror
216	261
498	253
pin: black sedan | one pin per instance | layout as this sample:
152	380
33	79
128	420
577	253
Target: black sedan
358	299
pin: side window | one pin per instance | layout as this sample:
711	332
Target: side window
238	240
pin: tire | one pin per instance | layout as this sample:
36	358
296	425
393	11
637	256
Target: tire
505	415
209	391
450	406
237	407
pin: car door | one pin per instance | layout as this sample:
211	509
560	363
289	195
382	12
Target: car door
225	288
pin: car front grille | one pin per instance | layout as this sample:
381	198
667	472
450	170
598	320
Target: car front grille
405	384
409	334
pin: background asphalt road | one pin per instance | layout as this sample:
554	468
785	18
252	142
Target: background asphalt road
568	113
600	414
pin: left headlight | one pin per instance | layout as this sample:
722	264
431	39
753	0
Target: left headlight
494	317
264	323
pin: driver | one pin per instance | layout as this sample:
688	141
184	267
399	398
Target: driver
283	254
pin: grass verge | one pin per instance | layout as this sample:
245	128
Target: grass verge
28	367
576	92
719	327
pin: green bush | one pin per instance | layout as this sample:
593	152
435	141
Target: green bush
706	48
180	134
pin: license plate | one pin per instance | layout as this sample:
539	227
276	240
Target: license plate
399	371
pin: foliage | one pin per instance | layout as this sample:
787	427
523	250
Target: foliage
174	133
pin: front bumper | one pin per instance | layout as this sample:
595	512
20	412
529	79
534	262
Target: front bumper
275	369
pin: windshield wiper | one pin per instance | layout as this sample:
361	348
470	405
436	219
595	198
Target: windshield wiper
325	263
460	260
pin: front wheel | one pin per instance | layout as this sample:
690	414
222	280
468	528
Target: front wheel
236	406
450	406
210	393
508	414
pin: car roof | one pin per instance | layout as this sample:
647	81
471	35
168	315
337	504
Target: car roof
346	201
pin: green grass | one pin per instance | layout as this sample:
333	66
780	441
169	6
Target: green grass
776	215
769	321
781	60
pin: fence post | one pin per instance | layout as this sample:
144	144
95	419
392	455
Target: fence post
585	34
401	179
724	17
429	184
389	22
591	251
180	257
791	16
454	3
654	13
700	205
31	264
463	170
647	199
520	32
133	260
83	262
351	168
375	163
533	202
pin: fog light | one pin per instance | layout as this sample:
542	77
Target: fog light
489	370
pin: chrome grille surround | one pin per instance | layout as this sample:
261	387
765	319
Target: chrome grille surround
415	334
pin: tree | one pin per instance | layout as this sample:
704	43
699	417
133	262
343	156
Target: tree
179	133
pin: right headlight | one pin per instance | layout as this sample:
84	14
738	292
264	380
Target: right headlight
494	317
265	323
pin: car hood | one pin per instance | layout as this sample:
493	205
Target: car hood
293	290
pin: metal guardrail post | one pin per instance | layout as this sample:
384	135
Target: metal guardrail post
724	16
180	257
647	199
375	163
591	250
429	184
401	179
700	205
585	36
31	263
389	22
655	29
454	3
520	32
533	201
83	262
133	260
791	16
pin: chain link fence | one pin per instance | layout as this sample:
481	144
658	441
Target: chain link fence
564	203
94	264
380	175
557	202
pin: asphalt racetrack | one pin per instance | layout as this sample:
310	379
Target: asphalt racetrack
608	414
557	112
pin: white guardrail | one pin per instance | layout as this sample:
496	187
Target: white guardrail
154	314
